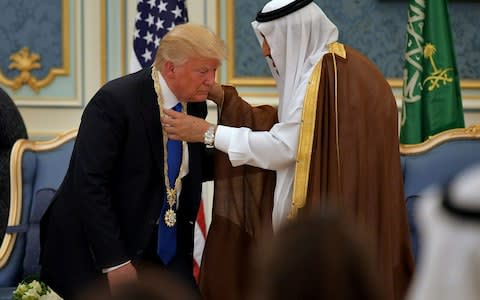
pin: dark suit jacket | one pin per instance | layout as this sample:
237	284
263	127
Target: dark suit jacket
108	204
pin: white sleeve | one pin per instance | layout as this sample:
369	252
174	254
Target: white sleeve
115	267
272	150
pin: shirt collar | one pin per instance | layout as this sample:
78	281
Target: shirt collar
169	98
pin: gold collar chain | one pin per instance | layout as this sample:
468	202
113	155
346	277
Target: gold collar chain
170	217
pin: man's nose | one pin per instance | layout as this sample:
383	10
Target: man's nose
210	80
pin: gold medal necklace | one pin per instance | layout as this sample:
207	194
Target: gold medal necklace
170	217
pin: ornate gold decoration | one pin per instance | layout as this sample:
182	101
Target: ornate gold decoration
16	184
170	217
305	143
472	132
25	62
438	75
337	49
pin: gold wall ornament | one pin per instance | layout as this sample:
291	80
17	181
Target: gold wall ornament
25	62
23	57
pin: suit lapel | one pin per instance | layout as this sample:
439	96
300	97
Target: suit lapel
151	117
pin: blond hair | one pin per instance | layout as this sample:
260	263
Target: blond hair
188	41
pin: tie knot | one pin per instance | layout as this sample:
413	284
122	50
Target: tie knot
177	107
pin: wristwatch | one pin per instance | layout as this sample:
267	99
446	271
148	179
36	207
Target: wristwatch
209	136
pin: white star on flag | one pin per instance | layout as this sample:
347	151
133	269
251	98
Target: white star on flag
162	6
153	20
147	55
177	12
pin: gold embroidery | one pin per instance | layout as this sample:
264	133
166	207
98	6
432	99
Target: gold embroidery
307	128
337	145
305	142
337	49
438	75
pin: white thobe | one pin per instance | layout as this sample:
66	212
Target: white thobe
245	146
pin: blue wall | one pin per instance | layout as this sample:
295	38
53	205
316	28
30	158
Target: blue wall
36	24
375	27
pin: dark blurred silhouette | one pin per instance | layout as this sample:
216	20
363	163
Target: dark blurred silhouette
12	128
153	284
316	257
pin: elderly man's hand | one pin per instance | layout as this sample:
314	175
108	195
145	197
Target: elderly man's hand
123	275
180	126
216	93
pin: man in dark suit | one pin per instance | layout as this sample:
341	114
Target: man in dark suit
103	222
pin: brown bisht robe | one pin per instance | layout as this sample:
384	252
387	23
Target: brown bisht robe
348	157
242	207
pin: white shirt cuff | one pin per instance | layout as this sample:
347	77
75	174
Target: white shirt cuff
115	267
222	137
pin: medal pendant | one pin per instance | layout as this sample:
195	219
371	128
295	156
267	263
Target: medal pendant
171	196
170	218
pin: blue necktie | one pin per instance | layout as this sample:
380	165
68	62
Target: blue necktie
167	236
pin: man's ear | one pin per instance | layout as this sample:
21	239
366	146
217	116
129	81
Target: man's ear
168	69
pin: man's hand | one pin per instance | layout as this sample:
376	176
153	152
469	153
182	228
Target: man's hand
180	126
120	276
216	93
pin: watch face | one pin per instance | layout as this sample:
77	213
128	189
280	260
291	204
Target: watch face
209	136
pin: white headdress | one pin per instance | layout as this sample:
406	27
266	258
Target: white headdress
298	33
449	222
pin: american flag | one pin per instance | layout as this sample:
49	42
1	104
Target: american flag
199	239
153	20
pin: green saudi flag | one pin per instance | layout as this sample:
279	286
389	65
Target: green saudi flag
432	101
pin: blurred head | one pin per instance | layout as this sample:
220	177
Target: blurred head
316	257
188	58
448	219
153	284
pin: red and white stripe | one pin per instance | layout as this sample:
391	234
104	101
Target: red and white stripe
199	240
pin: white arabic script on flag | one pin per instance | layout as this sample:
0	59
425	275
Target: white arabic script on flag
153	20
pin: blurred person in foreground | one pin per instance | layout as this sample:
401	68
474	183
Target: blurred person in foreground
152	284
449	229
125	199
332	140
320	256
12	128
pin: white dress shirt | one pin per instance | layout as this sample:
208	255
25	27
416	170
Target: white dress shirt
254	148
169	101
